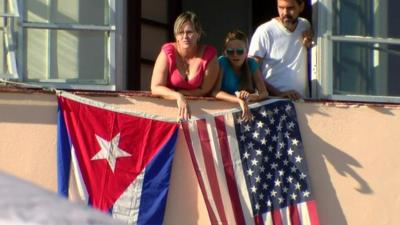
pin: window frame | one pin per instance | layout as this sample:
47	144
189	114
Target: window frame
322	70
9	18
114	49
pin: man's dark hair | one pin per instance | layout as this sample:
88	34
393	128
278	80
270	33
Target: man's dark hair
299	1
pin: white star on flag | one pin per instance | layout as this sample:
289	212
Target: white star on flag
110	151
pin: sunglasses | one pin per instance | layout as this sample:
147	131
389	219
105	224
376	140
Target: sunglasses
231	51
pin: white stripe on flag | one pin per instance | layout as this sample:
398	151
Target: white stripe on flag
267	218
303	213
126	208
80	184
285	215
237	166
194	137
220	170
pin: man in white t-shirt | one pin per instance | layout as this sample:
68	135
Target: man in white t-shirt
280	47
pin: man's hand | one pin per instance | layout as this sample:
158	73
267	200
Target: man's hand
308	38
292	94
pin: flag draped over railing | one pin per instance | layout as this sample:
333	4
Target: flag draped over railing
252	172
122	163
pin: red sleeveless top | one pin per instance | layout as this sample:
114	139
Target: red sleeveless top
175	79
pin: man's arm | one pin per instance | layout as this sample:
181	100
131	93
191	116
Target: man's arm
270	88
292	94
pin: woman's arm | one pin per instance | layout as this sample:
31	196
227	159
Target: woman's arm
159	79
210	77
246	114
159	87
222	95
218	83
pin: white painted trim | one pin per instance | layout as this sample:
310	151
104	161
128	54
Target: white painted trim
14	10
10	55
62	26
364	39
365	98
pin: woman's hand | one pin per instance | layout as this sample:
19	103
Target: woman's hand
183	108
246	114
244	95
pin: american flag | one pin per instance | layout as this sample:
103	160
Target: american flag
252	172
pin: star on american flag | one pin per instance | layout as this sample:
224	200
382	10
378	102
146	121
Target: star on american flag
272	156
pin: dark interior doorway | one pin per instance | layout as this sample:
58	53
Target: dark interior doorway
135	35
265	10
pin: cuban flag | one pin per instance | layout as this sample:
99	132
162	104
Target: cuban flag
121	162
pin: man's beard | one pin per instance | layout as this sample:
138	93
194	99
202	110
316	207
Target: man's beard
289	20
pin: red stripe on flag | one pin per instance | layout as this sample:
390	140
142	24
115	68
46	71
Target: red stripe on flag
276	217
186	132
294	215
229	171
258	220
210	169
312	212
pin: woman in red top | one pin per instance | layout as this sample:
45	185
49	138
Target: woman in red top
185	67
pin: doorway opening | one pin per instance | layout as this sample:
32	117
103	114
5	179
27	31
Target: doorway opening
263	11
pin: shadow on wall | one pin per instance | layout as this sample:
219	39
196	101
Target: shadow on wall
330	212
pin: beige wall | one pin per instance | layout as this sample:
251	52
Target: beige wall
352	153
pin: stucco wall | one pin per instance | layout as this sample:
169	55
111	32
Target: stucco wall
352	153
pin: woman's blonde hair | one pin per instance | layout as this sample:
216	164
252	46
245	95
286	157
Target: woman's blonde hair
246	78
184	17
